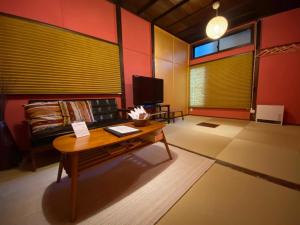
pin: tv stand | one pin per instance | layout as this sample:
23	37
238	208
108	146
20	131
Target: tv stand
164	109
167	106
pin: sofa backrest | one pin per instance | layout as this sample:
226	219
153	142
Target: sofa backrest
48	119
104	109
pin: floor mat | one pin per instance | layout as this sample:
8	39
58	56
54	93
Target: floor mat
197	141
228	197
268	159
272	134
137	188
211	125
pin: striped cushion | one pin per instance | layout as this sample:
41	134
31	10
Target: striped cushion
43	115
76	111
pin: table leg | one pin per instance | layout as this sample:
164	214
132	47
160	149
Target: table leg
33	161
168	109
60	168
166	145
74	178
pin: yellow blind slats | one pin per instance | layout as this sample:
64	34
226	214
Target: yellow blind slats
40	59
224	83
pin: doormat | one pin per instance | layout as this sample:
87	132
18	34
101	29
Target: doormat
211	125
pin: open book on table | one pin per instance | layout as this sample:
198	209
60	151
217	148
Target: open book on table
121	130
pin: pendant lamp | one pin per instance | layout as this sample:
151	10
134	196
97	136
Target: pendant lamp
218	25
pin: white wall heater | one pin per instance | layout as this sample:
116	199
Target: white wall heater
270	112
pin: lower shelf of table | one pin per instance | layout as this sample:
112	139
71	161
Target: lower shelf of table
93	157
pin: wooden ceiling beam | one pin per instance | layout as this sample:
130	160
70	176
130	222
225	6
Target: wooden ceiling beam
170	10
146	6
190	15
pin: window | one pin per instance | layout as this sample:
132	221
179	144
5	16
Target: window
223	83
230	41
206	49
235	40
42	59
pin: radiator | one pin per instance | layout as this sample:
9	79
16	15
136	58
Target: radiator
270	112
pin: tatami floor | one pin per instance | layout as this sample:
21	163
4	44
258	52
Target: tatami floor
270	149
228	194
224	196
255	178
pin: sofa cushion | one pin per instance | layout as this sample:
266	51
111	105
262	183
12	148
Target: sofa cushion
76	111
43	115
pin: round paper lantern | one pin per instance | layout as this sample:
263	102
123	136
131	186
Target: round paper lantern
216	27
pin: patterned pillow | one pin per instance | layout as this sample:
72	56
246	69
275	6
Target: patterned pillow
76	111
43	115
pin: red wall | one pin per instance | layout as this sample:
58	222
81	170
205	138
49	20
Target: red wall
93	17
224	113
136	35
40	10
279	78
282	28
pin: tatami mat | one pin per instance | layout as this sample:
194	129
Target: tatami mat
228	127
132	189
272	134
193	119
224	196
188	122
276	128
197	141
272	160
269	149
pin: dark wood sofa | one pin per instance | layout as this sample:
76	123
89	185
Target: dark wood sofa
104	112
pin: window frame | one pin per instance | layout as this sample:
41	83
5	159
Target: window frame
193	46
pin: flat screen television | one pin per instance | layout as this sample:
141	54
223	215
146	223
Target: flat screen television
147	90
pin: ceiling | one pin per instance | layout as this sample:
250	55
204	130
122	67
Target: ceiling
187	19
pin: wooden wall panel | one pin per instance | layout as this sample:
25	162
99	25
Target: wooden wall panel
171	64
163	44
180	88
164	70
180	52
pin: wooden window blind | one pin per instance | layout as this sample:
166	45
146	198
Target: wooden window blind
40	59
224	83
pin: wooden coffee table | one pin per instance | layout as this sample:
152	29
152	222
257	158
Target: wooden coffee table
78	154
